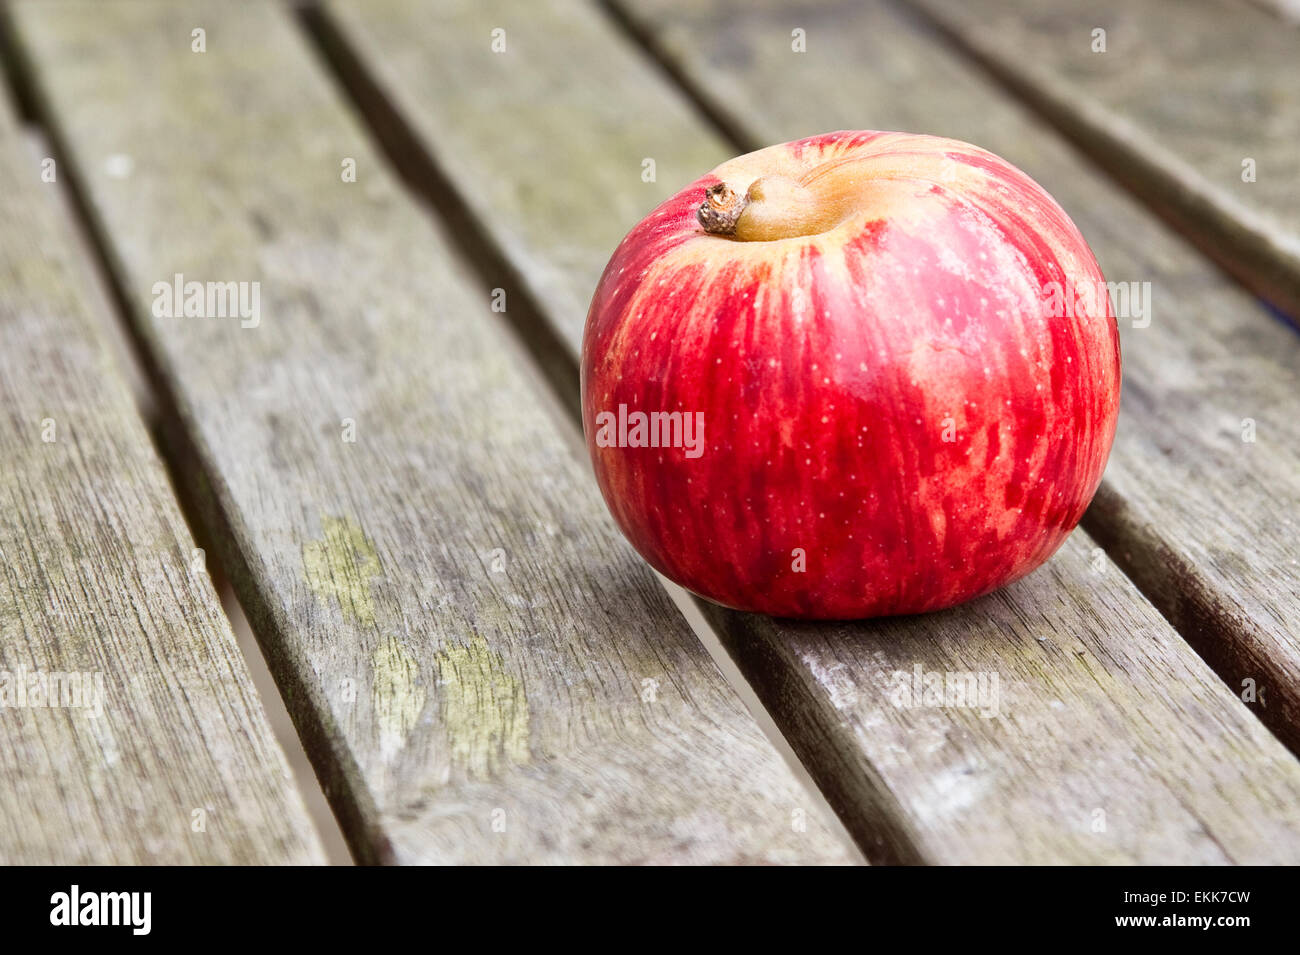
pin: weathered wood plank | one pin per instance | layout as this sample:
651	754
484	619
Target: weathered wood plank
1199	499
1186	98
524	188
1112	742
480	666
1103	706
100	588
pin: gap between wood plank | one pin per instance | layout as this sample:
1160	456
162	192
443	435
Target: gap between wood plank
160	420
419	173
541	352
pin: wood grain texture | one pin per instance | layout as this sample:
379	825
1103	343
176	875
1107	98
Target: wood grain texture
100	591
482	670
1203	520
564	67
1185	92
1110	742
1104	708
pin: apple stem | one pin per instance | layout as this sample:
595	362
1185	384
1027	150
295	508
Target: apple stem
721	209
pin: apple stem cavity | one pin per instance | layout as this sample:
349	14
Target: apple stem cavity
774	207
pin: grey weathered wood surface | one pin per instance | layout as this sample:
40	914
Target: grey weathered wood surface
481	668
98	577
1204	521
562	69
1105	708
1185	92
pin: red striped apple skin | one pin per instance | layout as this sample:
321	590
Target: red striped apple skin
898	415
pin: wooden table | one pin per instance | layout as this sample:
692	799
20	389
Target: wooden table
385	458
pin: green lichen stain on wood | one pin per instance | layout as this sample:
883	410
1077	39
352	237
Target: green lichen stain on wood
340	565
485	709
397	694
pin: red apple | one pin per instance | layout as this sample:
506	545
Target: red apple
860	374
